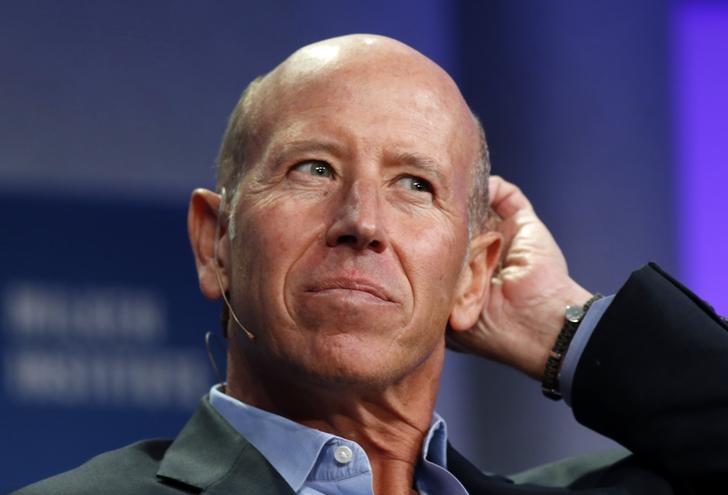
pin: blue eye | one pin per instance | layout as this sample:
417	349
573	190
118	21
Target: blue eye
416	184
315	168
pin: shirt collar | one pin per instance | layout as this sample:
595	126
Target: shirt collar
275	436
434	447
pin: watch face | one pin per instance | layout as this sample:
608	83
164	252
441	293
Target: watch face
574	314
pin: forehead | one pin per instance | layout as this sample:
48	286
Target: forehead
378	104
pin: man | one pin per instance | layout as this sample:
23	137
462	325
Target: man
347	234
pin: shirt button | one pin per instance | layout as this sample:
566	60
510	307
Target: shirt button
343	454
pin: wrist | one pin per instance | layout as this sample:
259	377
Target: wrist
553	323
573	316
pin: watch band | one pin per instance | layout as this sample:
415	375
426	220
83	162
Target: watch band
572	318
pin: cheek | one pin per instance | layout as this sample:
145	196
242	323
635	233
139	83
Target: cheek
435	264
275	237
273	234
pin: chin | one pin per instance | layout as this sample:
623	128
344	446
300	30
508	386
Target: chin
350	363
355	379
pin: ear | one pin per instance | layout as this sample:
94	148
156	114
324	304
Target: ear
474	283
202	227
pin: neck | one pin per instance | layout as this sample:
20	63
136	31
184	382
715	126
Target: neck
388	421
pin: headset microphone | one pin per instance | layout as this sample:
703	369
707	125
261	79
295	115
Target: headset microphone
218	232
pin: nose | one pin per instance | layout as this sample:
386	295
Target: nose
357	221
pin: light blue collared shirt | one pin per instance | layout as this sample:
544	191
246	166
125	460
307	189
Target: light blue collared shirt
316	463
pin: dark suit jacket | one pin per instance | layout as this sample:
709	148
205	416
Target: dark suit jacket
654	376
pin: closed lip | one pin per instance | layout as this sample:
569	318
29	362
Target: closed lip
352	284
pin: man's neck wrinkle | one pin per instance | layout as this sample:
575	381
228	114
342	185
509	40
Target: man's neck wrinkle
385	428
390	423
404	406
389	437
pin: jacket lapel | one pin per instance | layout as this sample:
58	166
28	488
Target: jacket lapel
479	483
211	457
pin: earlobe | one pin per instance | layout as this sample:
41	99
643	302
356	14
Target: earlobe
484	254
202	227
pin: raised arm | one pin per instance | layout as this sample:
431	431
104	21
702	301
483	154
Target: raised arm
524	310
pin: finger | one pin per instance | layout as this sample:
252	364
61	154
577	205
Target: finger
508	230
506	198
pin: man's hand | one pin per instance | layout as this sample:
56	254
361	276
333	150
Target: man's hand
524	310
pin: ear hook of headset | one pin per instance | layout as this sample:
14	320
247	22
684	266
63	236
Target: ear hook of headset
211	357
218	232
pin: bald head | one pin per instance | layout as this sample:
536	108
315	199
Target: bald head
366	57
340	68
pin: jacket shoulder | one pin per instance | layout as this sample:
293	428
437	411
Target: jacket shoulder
130	469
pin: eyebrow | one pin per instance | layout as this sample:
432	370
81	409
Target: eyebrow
281	153
422	162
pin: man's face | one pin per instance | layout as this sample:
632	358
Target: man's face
351	224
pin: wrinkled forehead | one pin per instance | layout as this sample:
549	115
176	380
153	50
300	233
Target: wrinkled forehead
379	75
